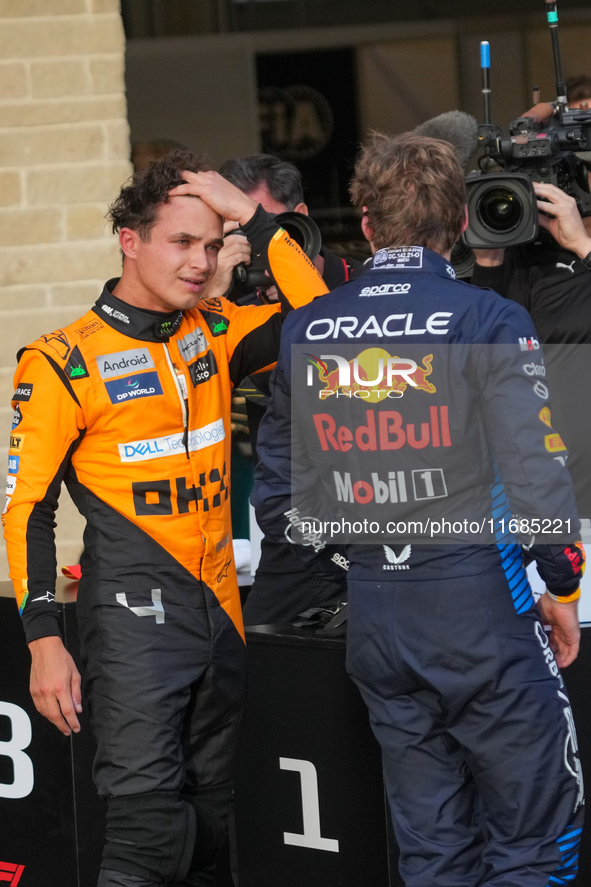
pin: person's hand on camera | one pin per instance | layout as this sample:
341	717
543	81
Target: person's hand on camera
560	216
223	197
236	250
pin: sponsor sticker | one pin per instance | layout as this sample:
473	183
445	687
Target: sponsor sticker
203	369
167	328
303	527
11	873
545	417
89	329
10	485
115	314
17	417
194	343
169	445
397	561
384	430
16	442
399	258
353	327
120	362
13	464
386	289
142	385
554	443
23	392
541	390
528	344
217	323
534	369
75	367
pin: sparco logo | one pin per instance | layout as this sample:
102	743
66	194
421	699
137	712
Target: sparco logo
303	527
341	561
392	325
110	365
528	344
385	289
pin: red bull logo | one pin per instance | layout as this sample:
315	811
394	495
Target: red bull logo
372	375
384	431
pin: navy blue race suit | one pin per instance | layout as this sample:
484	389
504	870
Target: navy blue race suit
416	399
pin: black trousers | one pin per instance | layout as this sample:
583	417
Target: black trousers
480	752
164	675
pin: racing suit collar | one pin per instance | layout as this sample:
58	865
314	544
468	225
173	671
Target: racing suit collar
138	323
412	258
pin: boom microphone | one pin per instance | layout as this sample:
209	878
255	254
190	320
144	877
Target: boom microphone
456	127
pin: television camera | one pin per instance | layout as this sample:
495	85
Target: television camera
542	146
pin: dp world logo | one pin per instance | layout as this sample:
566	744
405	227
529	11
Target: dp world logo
142	385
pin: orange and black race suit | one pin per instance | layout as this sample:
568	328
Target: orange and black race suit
131	409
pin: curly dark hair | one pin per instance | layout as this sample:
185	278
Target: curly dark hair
138	202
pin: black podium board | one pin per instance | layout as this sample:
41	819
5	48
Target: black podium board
310	806
52	820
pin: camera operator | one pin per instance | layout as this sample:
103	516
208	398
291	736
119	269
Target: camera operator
282	588
277	185
578	91
551	278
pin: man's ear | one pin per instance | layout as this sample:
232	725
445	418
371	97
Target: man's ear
466	220
301	208
368	231
127	241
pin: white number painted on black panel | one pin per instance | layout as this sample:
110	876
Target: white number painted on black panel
311	836
20	738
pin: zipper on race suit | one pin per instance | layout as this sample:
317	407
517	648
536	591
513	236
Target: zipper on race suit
183	393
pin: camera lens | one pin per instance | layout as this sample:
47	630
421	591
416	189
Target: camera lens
500	209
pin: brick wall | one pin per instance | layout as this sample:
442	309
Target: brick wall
64	148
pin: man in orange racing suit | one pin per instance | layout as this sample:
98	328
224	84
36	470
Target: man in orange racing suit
130	407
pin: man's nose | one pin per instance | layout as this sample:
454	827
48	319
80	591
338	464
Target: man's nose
198	259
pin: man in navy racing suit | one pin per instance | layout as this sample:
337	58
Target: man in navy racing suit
421	437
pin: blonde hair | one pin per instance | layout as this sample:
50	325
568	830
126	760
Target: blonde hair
413	190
